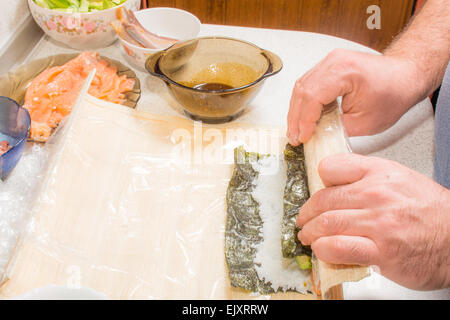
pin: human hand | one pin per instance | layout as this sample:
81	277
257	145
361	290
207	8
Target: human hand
377	212
377	90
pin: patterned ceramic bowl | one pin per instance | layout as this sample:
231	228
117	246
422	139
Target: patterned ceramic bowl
169	22
79	30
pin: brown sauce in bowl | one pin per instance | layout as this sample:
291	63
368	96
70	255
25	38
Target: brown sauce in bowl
222	76
212	86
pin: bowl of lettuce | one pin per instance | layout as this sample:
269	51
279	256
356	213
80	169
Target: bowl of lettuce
79	24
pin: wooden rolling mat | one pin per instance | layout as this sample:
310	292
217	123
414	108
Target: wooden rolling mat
118	214
329	139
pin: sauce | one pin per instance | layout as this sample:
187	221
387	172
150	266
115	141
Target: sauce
222	76
213	86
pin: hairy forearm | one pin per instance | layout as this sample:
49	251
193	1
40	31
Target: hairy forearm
425	45
446	235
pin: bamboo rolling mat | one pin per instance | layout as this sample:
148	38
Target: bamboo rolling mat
119	214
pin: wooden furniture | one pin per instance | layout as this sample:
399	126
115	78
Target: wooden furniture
342	18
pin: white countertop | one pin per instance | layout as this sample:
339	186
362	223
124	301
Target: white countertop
410	141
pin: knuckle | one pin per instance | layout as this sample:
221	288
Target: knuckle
345	60
306	92
380	163
339	223
330	223
359	254
324	224
339	247
389	219
298	86
376	193
337	53
317	200
390	249
352	251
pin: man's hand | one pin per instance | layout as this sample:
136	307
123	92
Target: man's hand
377	91
378	212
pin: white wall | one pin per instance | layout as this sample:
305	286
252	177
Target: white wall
12	13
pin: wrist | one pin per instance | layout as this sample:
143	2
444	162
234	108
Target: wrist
445	211
412	79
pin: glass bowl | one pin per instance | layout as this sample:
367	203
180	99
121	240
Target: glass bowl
14	126
214	78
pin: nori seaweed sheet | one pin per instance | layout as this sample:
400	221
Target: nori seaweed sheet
243	224
296	193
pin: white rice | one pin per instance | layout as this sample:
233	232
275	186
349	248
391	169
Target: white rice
282	273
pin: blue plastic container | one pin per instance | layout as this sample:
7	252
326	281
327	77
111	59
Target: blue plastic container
15	124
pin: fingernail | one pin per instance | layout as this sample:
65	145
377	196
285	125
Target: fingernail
299	235
298	222
292	140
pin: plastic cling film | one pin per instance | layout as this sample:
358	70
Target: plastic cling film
19	191
16	194
134	207
329	139
340	124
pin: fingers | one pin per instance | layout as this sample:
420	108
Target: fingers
346	250
328	199
341	169
293	133
339	222
304	112
309	115
339	174
320	86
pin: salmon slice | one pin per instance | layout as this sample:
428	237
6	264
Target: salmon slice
52	94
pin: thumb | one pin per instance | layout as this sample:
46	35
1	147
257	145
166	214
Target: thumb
346	250
353	125
343	168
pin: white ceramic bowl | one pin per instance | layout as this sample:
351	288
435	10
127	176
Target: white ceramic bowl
167	22
79	30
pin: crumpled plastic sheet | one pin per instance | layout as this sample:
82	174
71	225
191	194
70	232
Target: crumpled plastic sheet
131	208
19	191
16	194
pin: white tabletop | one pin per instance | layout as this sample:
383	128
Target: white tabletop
409	141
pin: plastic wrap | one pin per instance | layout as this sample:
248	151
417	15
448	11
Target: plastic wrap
19	190
133	206
16	194
329	138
